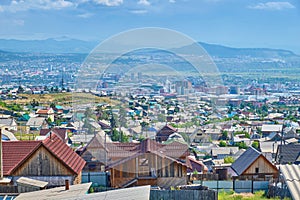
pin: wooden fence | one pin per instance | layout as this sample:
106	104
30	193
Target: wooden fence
183	195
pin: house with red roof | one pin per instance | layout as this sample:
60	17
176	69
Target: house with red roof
135	164
46	113
50	160
60	132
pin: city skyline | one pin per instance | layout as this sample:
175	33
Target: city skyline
267	24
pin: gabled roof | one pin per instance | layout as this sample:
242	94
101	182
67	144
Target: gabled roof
7	121
44	131
195	165
44	111
245	160
64	153
288	153
166	130
60	132
271	128
117	150
36	121
16	153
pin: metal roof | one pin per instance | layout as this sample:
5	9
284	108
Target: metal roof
57	193
33	182
245	160
133	193
291	174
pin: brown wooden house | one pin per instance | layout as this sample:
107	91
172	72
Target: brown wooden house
49	160
253	164
133	164
164	133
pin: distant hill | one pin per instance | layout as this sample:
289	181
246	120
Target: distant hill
67	45
47	46
223	51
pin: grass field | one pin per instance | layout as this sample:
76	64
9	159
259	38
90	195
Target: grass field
60	98
243	196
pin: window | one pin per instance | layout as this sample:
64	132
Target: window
256	170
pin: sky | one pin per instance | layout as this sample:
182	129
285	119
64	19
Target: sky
235	23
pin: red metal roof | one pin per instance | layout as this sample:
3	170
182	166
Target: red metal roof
44	131
64	153
16	152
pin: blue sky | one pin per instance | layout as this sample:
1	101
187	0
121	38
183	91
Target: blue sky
236	23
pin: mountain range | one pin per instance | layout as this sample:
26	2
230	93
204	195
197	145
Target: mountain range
66	45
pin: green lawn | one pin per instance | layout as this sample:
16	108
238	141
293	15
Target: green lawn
243	196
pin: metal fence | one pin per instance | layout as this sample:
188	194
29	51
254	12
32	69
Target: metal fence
237	186
183	195
97	178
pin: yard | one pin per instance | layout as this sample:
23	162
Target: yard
243	196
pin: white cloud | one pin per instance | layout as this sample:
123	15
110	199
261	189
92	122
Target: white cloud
21	5
85	15
144	2
172	1
109	2
19	22
139	12
1	9
273	6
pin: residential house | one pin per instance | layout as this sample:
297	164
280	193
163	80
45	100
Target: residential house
253	163
196	165
37	123
164	133
50	160
213	133
222	152
142	163
267	129
8	123
46	113
75	126
60	132
287	153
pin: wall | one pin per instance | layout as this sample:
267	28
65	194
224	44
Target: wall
42	163
183	194
237	186
263	165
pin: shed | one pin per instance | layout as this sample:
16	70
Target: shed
28	185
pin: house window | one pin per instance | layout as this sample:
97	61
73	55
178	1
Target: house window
144	169
143	162
256	170
172	169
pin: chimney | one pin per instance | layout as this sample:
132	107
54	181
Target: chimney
67	184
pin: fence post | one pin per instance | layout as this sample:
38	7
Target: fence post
252	185
233	185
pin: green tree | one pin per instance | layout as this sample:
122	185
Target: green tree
255	144
115	136
222	143
241	145
228	159
225	135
